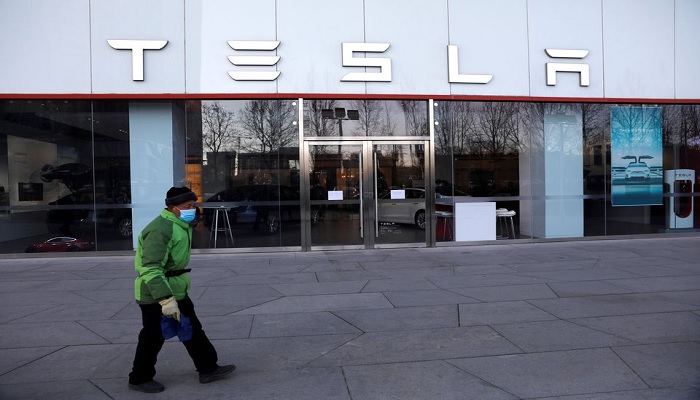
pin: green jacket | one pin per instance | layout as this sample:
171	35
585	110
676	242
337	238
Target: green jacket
164	245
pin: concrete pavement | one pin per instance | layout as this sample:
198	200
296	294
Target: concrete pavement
612	319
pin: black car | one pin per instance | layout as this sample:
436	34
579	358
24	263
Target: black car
262	206
80	211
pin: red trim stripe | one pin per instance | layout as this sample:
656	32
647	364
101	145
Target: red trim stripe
331	96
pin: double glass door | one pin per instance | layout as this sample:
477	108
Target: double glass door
366	193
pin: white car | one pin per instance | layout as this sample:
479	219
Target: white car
410	210
638	170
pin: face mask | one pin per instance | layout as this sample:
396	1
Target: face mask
187	215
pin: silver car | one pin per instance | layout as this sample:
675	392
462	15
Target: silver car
410	210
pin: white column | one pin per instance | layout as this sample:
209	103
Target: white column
563	159
151	127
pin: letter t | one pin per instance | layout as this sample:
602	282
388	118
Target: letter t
137	47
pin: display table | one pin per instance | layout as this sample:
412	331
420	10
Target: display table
473	221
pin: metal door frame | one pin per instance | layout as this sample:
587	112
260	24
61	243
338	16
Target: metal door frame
368	215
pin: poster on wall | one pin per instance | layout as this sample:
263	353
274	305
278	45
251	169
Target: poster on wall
636	156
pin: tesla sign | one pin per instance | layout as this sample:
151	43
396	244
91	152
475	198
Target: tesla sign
383	64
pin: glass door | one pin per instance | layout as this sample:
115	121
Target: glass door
365	194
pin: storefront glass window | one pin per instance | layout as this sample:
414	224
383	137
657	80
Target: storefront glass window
478	149
64	173
243	162
573	169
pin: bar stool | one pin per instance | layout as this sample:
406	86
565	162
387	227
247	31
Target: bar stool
447	218
503	215
225	228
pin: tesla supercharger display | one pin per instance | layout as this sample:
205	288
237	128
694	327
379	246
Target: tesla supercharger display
680	208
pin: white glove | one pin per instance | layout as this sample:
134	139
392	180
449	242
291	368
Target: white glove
169	308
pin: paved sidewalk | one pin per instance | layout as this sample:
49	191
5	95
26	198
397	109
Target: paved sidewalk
613	319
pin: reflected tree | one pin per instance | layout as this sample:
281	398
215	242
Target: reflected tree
270	124
218	125
370	116
496	127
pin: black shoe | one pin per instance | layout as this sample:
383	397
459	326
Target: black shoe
148	387
215	375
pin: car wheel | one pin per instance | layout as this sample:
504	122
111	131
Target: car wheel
72	248
420	219
124	227
273	225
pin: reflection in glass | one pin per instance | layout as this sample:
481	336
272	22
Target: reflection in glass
243	156
478	148
335	182
400	187
66	167
355	118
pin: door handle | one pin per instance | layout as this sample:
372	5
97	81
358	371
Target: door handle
376	197
361	196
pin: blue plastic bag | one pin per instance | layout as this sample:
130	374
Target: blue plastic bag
171	328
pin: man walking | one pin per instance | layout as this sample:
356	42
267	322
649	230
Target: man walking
162	287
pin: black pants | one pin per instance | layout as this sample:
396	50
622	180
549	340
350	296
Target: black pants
151	340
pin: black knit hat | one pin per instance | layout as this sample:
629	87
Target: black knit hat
179	195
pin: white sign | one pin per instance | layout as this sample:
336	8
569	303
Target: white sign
398	194
335	195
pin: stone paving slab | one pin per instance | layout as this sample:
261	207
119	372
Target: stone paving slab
66	390
418	345
607	320
427	380
325	302
664	365
11	313
402	319
642	394
412	298
15	358
586	288
395	285
293	384
299	289
533	337
649	328
508	293
299	324
554	373
501	313
46	333
599	306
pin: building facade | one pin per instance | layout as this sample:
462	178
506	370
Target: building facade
314	124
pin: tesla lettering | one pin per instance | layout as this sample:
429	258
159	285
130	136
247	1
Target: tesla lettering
453	69
137	47
384	64
252	45
553	68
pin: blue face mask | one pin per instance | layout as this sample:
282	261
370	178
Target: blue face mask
187	215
